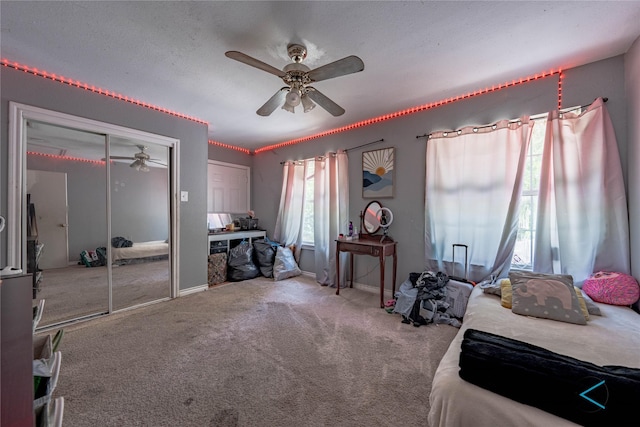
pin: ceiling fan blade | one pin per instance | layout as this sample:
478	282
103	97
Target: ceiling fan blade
157	162
320	99
350	64
239	56
274	102
120	158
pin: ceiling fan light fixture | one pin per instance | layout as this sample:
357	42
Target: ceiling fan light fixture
297	77
307	103
293	97
140	165
288	107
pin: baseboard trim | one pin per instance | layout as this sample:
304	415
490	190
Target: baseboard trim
309	274
193	290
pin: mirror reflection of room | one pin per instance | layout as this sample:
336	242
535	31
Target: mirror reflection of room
67	185
140	227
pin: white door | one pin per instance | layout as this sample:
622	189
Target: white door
48	192
228	188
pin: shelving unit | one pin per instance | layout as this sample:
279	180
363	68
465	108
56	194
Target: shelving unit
19	319
219	241
47	361
219	246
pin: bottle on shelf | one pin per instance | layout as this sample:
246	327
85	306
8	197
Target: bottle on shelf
350	228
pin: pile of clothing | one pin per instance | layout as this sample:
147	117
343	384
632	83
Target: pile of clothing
422	299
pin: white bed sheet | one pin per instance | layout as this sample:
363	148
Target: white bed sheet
141	250
610	339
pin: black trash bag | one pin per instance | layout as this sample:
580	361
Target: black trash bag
265	253
241	265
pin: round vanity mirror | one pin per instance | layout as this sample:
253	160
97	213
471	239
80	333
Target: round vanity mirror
370	223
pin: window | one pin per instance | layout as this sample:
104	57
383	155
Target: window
307	216
525	242
523	253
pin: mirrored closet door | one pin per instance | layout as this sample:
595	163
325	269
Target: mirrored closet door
139	222
66	217
97	220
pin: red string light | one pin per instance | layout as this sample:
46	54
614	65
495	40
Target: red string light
413	110
231	147
75	159
560	78
61	79
41	73
50	76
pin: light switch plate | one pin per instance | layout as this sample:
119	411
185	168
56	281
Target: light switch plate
184	196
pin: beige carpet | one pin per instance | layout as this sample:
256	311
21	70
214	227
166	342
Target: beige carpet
77	291
253	353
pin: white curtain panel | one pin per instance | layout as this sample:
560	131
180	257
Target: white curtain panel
473	183
331	214
582	224
288	230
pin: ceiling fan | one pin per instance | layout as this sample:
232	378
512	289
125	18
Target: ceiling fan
298	78
140	159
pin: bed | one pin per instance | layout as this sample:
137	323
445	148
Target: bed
140	250
610	339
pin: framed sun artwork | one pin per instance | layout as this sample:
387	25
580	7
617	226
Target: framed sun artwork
378	173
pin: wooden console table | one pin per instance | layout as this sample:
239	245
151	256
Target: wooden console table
369	247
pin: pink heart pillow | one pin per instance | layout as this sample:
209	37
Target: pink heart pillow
612	288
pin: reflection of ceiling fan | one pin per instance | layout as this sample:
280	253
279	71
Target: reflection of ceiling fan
140	159
298	77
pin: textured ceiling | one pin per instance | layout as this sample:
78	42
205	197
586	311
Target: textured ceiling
171	54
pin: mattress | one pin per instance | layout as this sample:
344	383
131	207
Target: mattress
141	250
610	339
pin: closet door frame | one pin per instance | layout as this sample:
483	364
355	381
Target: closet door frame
19	114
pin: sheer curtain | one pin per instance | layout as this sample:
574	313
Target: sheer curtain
582	224
331	214
331	210
473	182
288	230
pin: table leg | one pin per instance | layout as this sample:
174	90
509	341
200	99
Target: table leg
395	263
381	279
338	271
351	269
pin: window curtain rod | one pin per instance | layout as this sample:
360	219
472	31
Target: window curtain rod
534	117
346	150
301	161
364	145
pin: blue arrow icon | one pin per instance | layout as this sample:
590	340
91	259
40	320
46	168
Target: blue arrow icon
584	394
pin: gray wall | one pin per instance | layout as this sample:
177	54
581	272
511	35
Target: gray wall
139	203
632	74
37	91
581	86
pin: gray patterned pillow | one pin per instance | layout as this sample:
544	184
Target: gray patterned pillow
549	296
